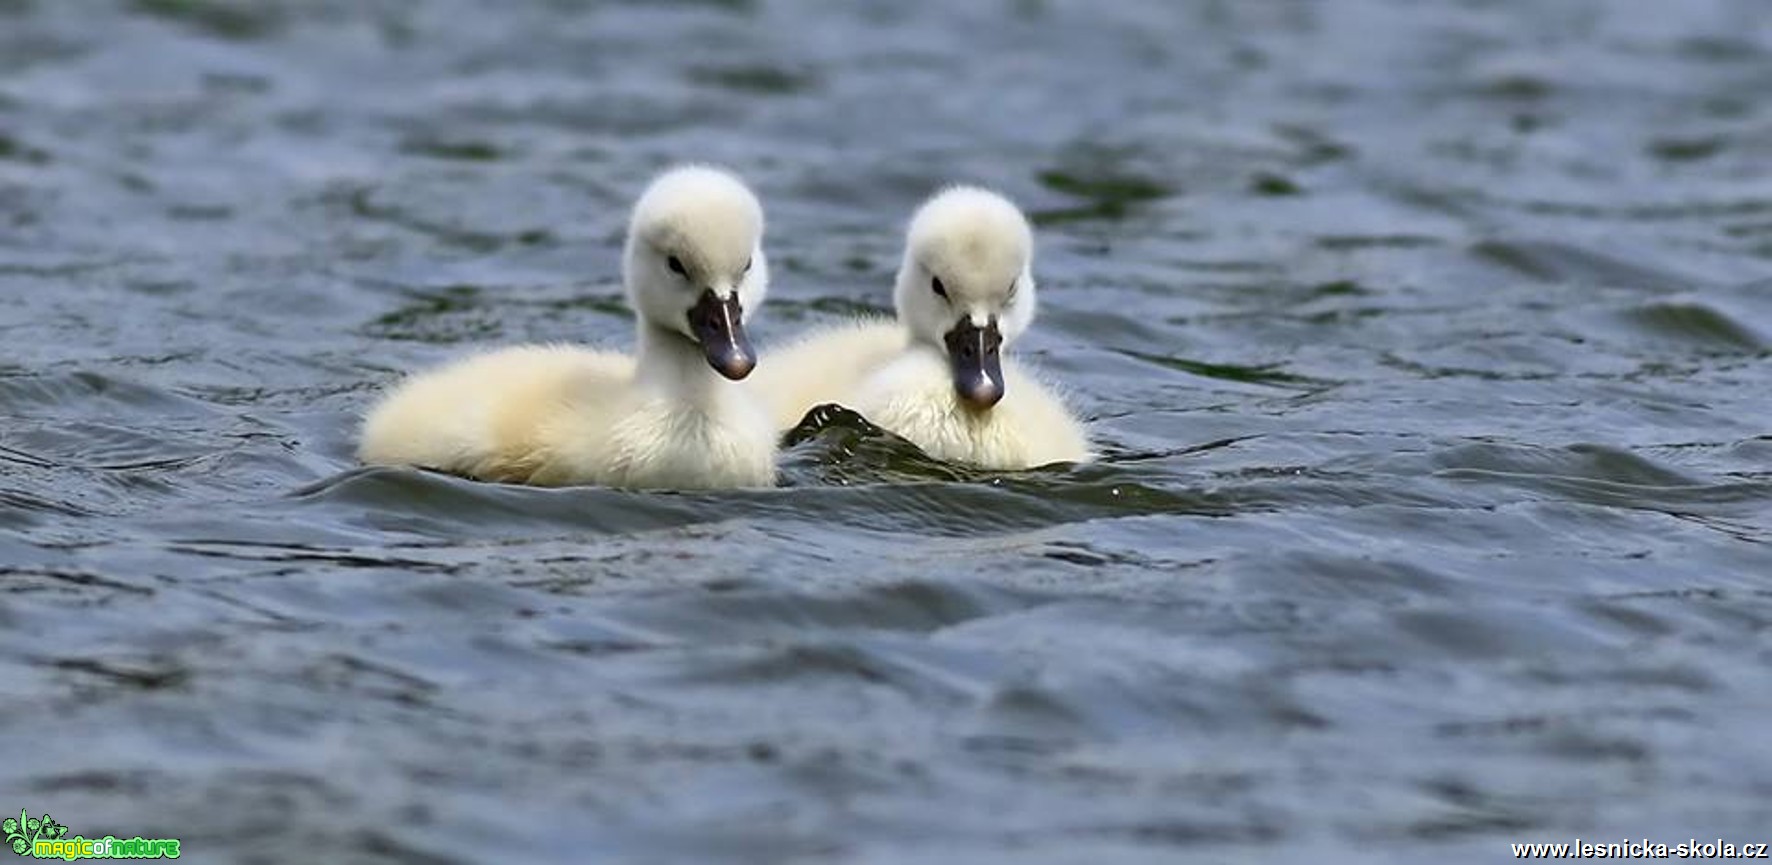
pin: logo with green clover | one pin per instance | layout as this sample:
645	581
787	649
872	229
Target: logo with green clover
24	831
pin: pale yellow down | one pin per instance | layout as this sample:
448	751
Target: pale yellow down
871	366
557	415
977	247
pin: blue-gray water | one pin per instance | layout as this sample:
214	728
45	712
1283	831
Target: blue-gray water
1428	345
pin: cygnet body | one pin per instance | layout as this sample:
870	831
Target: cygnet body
937	375
670	417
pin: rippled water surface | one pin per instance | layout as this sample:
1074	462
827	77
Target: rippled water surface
1427	344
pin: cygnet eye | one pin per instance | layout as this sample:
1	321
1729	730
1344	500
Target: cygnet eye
940	290
747	266
676	266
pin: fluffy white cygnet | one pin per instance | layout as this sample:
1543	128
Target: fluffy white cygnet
936	375
668	418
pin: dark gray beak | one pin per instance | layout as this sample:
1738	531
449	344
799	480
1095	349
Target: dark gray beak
974	354
719	326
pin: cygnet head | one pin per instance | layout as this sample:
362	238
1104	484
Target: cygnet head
694	262
966	285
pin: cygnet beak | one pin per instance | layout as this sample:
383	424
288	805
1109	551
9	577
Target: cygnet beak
973	353
719	326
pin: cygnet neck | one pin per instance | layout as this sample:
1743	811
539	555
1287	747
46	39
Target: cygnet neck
672	365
